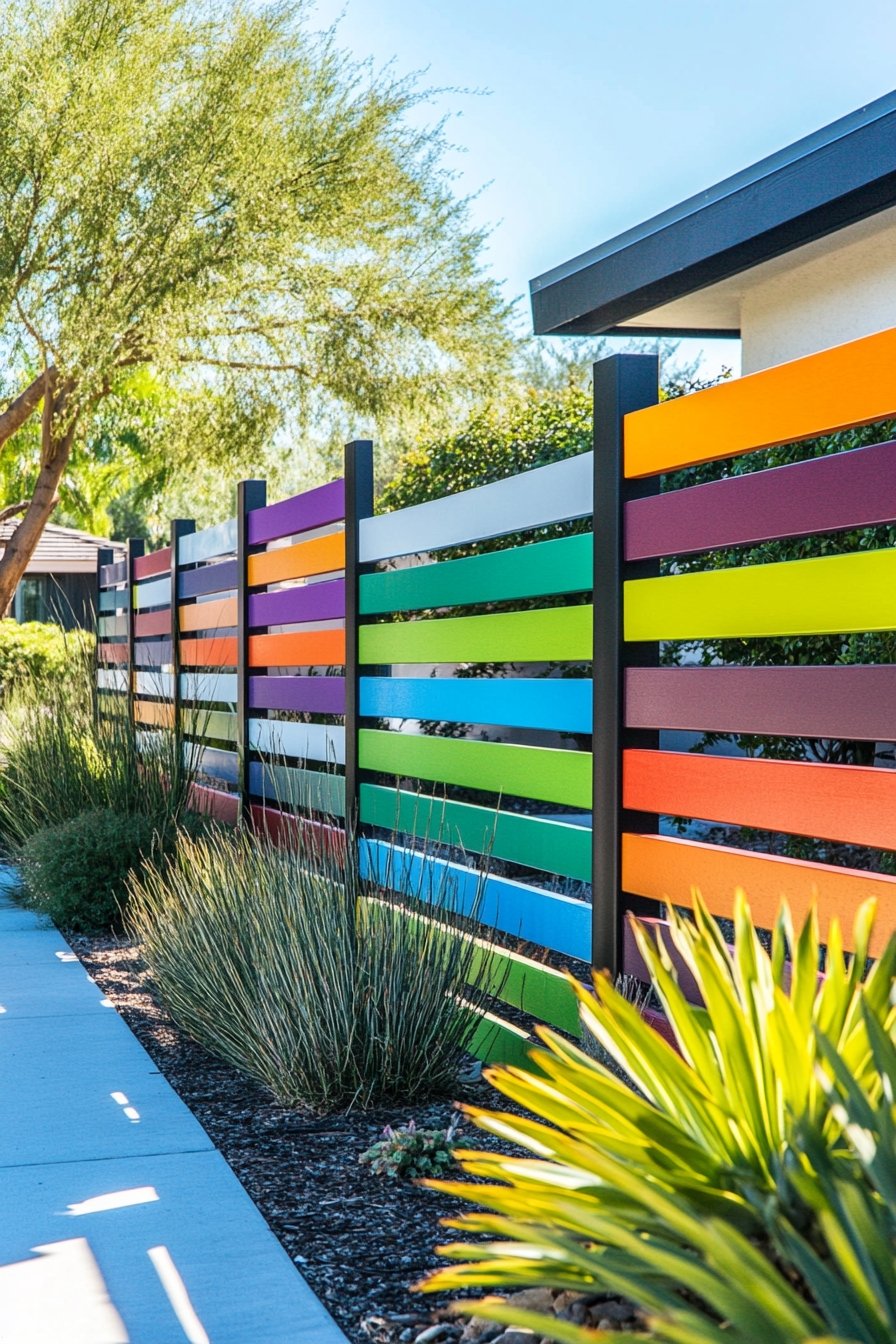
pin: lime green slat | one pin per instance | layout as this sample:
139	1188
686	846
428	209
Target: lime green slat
831	595
544	773
512	637
498	1042
563	566
210	723
535	842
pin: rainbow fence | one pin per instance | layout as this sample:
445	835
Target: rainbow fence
471	673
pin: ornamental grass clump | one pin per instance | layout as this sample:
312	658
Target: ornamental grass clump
329	991
745	1190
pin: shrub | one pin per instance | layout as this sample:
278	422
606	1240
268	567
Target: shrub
280	961
698	1195
34	650
411	1153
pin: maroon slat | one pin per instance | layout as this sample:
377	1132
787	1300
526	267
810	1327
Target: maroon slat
825	494
844	702
158	562
283	828
314	508
215	803
153	623
112	574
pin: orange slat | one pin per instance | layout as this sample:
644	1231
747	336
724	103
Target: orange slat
209	615
316	647
847	385
154	711
217	652
665	868
320	556
852	803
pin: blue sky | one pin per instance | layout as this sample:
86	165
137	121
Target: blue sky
600	113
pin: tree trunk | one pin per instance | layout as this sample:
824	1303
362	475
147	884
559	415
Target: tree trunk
57	435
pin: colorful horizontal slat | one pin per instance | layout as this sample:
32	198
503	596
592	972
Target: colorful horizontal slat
545	773
314	695
291	606
157	562
216	615
152	623
851	803
532	842
156	712
151	653
212	761
223	807
110	626
558	704
825	494
114	599
314	508
523	911
305	741
666	868
208	543
112	653
209	723
112	574
285	828
219	578
214	687
562	633
156	593
540	569
322	555
158	684
319	790
831	595
848	385
853	703
219	651
311	648
551	494
112	679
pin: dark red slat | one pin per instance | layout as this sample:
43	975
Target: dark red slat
157	562
153	623
825	494
283	828
845	702
215	803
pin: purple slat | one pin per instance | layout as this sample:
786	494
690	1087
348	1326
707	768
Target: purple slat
155	653
315	695
314	508
825	494
289	606
841	702
209	579
112	574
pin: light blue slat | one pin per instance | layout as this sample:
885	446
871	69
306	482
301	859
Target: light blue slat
528	702
211	761
319	790
155	594
114	599
214	687
542	917
155	683
211	541
305	741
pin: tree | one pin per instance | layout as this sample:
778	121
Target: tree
206	190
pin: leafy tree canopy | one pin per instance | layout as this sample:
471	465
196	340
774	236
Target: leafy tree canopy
207	192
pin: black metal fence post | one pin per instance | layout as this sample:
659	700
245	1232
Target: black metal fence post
358	505
250	495
180	527
622	383
136	548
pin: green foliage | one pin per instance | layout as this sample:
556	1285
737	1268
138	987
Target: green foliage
411	1153
76	872
716	1196
283	963
35	650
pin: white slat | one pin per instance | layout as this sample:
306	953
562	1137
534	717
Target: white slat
112	679
551	494
305	741
159	684
217	687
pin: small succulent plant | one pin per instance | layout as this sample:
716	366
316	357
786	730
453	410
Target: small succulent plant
411	1153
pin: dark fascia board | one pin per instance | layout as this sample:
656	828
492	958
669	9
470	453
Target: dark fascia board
835	177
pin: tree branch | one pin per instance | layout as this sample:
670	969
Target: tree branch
18	411
252	365
12	510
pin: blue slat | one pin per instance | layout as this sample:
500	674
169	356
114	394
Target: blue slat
213	761
114	599
543	917
154	594
525	702
209	579
320	790
211	541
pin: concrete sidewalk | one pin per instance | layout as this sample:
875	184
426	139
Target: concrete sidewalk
120	1223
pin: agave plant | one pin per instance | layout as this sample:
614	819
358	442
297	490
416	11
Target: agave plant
702	1175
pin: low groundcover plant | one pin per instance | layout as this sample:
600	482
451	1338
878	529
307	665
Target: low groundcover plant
412	1153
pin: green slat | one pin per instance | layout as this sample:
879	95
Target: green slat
497	1042
112	625
562	633
544	773
210	724
563	566
302	789
555	846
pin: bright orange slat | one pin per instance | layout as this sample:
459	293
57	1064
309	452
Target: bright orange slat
153	711
852	803
217	652
320	556
316	647
668	869
209	615
848	385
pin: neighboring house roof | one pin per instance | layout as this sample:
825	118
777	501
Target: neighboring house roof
62	550
675	273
